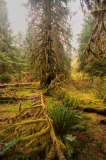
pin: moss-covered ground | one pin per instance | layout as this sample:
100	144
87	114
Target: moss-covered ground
87	93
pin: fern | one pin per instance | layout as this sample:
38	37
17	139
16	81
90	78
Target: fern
65	117
70	137
68	140
61	119
7	146
69	103
65	120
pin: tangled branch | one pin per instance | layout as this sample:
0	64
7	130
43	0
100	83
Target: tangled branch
34	134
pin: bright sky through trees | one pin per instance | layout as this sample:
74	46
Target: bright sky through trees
17	17
77	20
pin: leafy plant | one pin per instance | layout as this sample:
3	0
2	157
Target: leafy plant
65	120
67	140
5	78
69	103
61	119
7	146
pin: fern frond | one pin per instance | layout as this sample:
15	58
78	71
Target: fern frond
7	146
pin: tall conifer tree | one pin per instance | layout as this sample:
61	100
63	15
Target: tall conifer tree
11	62
50	37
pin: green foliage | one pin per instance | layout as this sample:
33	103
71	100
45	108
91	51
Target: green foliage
5	31
65	118
5	78
99	146
70	103
49	39
83	38
67	140
11	144
95	67
61	119
12	60
99	87
91	66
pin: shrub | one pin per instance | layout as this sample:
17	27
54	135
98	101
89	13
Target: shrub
5	78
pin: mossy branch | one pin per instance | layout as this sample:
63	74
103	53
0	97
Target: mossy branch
39	135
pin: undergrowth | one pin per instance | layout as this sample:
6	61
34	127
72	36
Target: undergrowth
65	120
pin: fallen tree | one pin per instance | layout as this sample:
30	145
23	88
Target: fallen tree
101	111
14	85
34	136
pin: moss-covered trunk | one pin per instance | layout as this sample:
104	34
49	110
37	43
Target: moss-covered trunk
49	59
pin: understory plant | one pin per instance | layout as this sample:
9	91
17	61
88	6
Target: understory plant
66	120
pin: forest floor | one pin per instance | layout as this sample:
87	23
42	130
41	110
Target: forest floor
90	144
91	97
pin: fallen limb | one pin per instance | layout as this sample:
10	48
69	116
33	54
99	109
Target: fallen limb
56	84
36	130
101	111
103	121
14	85
12	99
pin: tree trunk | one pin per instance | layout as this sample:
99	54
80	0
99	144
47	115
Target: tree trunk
47	71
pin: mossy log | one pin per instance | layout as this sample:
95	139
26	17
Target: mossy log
101	111
103	121
14	85
12	99
34	134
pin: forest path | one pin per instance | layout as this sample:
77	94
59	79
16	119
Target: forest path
97	130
